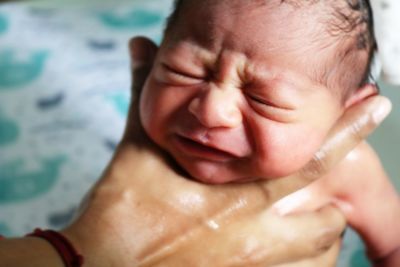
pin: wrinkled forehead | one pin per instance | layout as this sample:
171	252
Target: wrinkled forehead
252	20
270	31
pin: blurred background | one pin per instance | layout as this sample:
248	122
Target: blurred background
64	91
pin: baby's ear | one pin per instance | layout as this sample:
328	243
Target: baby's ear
142	51
361	93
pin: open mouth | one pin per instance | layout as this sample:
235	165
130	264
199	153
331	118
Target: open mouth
196	149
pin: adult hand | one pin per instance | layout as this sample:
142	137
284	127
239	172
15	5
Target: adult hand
143	212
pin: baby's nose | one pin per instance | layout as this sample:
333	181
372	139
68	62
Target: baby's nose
217	108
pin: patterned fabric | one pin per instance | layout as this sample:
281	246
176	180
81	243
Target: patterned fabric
64	90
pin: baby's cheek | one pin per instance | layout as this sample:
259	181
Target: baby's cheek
287	149
151	112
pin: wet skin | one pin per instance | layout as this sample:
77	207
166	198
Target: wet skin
237	98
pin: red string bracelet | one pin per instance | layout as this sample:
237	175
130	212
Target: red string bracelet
69	255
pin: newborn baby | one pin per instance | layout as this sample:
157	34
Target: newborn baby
243	90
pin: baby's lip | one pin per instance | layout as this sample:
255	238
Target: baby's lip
201	145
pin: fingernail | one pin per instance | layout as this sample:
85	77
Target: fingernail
382	110
292	203
280	209
284	206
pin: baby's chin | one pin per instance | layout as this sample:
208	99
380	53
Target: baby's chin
228	179
210	177
214	174
208	173
211	174
222	180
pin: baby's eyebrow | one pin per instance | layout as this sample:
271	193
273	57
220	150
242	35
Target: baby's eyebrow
257	72
315	76
191	51
269	75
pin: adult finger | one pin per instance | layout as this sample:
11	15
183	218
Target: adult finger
316	233
354	126
272	241
142	54
256	240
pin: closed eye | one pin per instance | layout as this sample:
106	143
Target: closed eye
180	74
271	110
261	101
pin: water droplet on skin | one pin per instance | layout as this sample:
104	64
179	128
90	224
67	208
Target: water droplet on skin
213	225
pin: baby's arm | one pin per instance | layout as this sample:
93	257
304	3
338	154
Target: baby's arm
362	190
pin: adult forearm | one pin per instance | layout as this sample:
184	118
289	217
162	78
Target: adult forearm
28	252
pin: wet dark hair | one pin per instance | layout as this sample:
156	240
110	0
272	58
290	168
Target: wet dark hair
351	20
354	21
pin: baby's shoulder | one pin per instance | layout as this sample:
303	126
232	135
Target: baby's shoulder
357	173
360	161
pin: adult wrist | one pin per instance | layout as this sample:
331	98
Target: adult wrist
28	252
67	252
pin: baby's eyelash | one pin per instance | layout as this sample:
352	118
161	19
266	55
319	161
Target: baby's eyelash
259	100
267	103
182	74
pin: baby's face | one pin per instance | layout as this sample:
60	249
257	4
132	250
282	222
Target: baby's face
233	95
